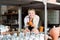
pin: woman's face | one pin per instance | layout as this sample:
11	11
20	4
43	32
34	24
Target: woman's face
31	13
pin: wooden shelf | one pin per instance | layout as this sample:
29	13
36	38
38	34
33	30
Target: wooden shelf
10	24
9	14
10	18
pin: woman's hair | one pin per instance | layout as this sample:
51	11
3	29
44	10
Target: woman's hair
31	9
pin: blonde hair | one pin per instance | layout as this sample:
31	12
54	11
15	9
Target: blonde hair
31	9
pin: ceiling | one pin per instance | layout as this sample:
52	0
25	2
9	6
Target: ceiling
58	1
14	2
3	2
40	5
28	4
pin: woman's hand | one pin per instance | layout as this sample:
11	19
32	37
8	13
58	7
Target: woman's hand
31	24
35	30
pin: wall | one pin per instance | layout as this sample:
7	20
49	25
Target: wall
52	1
53	16
3	9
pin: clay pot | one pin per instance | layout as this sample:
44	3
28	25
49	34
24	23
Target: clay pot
54	33
41	28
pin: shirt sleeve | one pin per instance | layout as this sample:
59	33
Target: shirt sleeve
25	22
37	21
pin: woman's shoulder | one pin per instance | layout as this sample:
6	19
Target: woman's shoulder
36	16
26	16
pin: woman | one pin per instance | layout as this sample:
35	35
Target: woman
31	22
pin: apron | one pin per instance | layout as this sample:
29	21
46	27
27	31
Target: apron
30	27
